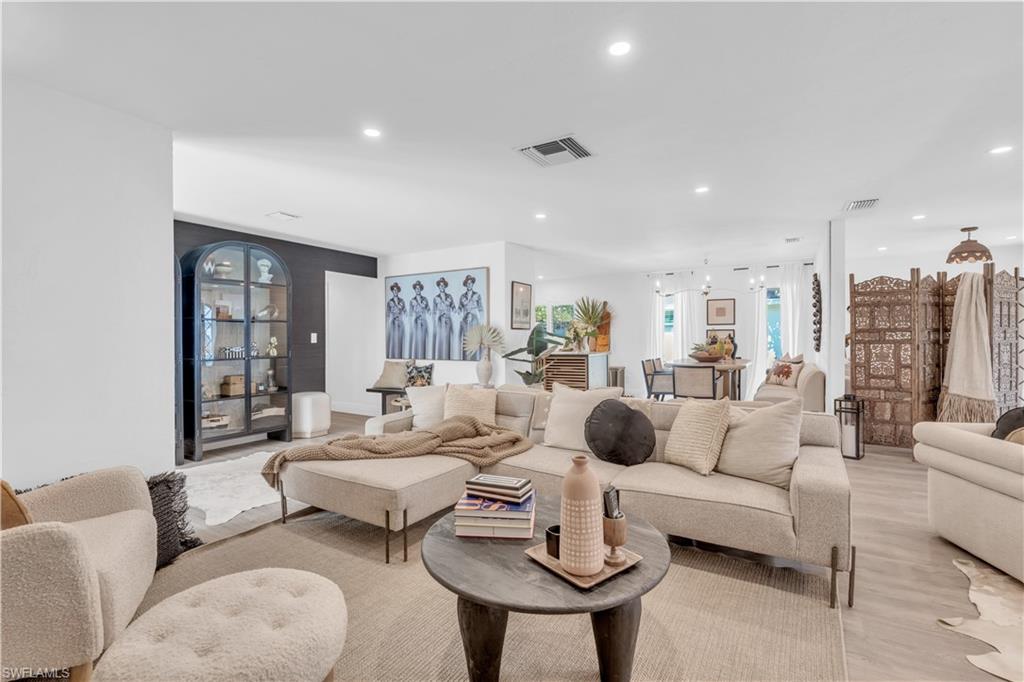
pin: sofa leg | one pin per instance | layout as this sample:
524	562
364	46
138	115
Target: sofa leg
832	584
387	536
81	673
405	535
284	501
853	574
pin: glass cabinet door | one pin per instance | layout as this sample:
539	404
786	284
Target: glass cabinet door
265	268
226	264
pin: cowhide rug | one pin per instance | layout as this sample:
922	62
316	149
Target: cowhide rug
1000	622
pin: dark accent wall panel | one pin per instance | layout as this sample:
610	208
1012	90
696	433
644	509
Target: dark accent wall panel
307	265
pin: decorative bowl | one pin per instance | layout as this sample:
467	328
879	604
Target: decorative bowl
705	356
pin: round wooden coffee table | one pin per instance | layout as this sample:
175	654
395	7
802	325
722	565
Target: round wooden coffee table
493	577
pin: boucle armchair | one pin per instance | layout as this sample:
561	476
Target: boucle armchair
74	577
975	490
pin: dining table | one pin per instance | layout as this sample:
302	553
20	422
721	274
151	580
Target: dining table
732	368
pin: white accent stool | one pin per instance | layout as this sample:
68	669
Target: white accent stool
311	414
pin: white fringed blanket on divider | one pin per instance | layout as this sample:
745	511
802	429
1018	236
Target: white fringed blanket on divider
967	391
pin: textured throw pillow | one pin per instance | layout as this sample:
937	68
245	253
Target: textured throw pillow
786	370
419	376
393	374
568	414
1011	421
471	402
12	512
698	431
427	403
617	433
763	444
174	533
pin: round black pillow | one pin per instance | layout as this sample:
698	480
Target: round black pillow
1008	423
619	434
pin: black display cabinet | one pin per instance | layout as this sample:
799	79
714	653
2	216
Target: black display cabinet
236	309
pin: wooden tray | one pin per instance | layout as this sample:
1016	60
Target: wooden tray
539	553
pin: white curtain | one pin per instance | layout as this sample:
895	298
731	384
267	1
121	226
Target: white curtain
759	348
695	321
679	328
657	329
792	312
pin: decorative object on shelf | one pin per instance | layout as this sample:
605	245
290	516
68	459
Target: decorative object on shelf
539	345
267	312
223	270
707	352
850	410
522	305
272	347
480	341
581	546
207	393
816	307
272	381
222	311
232	352
261	387
578	336
216	421
232	385
561	318
264	266
551	540
721	311
208	266
969	250
593	313
431	325
615	533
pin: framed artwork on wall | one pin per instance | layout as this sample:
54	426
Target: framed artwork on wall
522	305
721	311
427	314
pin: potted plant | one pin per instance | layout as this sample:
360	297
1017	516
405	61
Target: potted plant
540	344
482	339
578	335
591	313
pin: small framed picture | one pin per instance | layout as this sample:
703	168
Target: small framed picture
522	305
717	334
721	311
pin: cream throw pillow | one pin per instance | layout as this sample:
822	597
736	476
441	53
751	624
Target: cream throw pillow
763	444
471	402
427	404
568	414
698	431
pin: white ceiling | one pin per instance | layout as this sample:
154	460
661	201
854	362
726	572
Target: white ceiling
785	111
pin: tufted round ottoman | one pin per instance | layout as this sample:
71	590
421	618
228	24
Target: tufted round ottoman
274	624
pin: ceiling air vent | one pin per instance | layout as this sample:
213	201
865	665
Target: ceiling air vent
792	240
859	205
555	152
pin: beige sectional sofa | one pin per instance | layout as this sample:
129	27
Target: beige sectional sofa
975	490
810	522
73	578
810	387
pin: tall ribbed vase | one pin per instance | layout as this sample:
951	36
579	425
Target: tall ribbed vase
581	547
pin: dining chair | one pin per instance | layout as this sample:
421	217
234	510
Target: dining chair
658	366
697	382
659	384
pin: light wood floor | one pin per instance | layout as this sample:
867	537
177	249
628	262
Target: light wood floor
905	576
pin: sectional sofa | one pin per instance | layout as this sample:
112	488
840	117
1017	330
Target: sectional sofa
809	523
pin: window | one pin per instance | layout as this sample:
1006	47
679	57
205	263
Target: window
774	324
670	317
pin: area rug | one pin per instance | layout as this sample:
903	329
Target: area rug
224	490
1000	622
713	617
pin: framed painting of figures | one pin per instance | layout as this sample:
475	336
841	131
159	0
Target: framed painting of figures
427	314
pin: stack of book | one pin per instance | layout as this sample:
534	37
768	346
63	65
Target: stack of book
496	507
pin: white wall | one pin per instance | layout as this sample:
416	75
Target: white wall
355	318
88	325
931	261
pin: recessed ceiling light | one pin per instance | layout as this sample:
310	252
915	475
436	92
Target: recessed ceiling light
283	215
703	189
1012	236
918	217
883	248
371	132
540	276
619	49
540	216
1000	150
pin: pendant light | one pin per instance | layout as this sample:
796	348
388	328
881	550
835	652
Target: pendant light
969	250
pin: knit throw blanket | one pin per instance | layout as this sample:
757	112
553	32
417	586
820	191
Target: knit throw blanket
464	437
967	392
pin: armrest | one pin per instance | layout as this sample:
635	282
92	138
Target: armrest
812	390
819	497
51	615
971	441
395	422
87	496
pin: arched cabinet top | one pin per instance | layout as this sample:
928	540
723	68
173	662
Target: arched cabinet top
237	262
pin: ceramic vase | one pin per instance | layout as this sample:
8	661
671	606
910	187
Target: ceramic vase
484	369
581	548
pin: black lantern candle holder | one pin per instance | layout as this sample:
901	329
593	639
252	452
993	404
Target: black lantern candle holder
850	410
